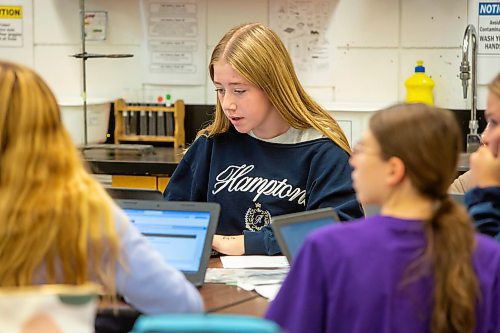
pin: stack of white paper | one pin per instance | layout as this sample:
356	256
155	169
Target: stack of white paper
254	262
264	274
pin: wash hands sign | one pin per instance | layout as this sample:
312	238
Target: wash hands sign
489	28
11	26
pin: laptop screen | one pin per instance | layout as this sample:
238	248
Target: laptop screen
179	236
295	234
292	229
181	231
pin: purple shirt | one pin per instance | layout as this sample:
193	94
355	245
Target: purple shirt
348	278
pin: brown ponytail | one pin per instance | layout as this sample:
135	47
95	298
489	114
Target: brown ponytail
428	141
450	238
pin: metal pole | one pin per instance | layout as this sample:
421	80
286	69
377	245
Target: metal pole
473	114
467	72
84	71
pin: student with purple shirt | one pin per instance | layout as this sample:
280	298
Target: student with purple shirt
418	266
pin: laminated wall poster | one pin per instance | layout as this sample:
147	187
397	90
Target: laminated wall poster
174	45
489	28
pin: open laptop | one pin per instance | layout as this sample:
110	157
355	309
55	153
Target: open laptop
182	232
291	230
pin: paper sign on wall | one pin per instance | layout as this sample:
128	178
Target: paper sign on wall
96	25
11	26
489	28
303	26
174	44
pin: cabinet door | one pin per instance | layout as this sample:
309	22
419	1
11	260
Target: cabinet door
162	183
134	181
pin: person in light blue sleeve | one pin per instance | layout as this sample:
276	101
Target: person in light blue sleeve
147	282
270	150
58	224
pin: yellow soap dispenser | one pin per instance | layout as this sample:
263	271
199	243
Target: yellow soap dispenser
419	86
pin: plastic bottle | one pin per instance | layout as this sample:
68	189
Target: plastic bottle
419	86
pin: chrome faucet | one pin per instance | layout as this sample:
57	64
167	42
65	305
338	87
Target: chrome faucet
473	138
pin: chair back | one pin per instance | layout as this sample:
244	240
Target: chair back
48	309
206	323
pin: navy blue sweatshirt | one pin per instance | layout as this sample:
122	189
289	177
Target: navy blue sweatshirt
254	180
483	205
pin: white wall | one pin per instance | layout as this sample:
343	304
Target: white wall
376	46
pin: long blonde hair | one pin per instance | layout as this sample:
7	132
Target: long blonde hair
428	141
258	54
56	220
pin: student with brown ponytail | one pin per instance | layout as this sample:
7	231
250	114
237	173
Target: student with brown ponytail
416	267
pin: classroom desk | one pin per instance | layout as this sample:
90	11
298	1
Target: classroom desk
218	298
221	298
253	307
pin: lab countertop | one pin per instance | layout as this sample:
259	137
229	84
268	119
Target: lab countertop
158	161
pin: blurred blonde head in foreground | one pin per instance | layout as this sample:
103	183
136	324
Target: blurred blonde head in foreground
57	221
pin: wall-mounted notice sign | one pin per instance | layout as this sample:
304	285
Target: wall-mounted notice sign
11	26
489	28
